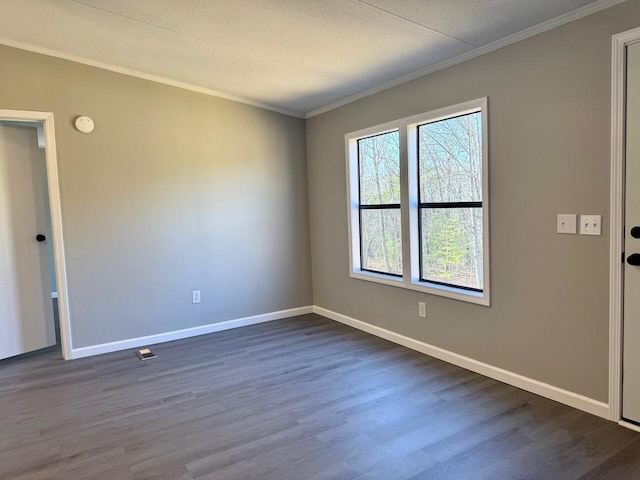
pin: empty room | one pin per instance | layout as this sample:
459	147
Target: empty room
319	239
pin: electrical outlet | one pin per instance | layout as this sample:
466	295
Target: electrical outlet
567	223
590	224
422	309
195	296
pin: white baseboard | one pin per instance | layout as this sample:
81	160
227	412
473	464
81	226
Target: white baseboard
566	397
629	425
186	333
572	399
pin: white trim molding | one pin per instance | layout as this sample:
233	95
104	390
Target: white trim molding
46	120
572	16
566	397
145	76
476	52
186	333
629	425
616	212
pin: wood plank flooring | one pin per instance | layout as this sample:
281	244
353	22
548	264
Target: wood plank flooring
303	398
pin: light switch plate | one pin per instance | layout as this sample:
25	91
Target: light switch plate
590	224
567	223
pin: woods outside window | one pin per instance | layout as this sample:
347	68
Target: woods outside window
418	202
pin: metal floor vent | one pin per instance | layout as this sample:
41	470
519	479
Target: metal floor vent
145	354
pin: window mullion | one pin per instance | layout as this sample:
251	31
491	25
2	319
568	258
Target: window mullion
404	202
380	206
450	205
412	201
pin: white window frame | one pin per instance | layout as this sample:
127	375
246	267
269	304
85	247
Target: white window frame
408	131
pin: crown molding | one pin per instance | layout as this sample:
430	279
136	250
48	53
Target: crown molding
490	47
145	76
476	52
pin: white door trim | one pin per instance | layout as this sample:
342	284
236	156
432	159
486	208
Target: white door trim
616	206
46	118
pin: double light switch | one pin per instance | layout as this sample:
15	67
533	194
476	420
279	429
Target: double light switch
589	224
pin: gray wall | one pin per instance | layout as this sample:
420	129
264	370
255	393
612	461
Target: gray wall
549	127
174	191
177	191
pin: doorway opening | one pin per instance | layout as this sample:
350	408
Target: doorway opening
33	276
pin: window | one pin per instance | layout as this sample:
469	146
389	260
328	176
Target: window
450	201
418	202
379	203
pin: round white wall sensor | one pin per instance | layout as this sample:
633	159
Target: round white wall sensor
84	124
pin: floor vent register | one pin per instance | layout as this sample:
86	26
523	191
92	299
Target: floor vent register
145	354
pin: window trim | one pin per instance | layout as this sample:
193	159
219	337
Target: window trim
409	207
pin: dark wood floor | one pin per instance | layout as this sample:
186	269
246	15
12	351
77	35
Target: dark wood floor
303	398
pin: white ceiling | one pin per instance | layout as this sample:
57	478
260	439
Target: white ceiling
293	55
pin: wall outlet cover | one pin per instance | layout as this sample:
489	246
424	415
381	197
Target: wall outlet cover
195	296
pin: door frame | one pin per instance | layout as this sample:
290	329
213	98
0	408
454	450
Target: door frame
46	119
616	206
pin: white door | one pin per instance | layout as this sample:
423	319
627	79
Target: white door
26	310
631	352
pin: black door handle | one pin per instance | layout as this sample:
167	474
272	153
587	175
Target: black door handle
634	259
635	232
40	237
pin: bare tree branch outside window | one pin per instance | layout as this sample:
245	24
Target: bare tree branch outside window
380	222
450	176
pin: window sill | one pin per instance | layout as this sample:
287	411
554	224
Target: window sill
479	298
378	278
469	296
